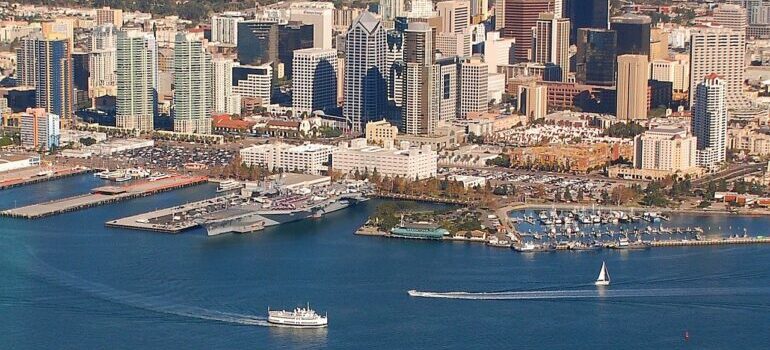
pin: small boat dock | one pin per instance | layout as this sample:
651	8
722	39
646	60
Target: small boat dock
103	195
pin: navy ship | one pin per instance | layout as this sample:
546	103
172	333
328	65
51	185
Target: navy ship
275	211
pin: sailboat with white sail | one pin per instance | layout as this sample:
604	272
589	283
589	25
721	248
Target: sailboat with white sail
604	276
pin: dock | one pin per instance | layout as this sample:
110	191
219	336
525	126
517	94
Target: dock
706	242
175	219
104	195
29	179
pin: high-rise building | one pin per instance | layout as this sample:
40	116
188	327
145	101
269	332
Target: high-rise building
532	101
54	87
421	9
455	15
586	14
26	59
709	120
224	28
390	9
106	15
474	92
632	87
731	16
314	86
293	36
137	80
497	51
595	58
721	51
480	10
420	112
320	15
454	44
658	44
257	42
520	17
675	71
192	86
365	90
39	129
253	82
102	69
103	37
224	101
634	34
550	42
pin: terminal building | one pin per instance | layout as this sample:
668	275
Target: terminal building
406	162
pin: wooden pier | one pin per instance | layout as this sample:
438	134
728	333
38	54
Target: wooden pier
102	196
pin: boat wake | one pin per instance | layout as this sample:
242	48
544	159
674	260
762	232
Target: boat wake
592	293
58	277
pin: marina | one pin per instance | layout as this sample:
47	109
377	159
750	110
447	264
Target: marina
103	195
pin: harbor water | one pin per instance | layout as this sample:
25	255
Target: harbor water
68	282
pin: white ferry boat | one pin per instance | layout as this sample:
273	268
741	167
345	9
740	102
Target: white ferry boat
229	185
299	318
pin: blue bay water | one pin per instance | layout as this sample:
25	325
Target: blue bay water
68	282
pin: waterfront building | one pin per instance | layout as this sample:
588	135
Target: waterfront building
54	85
405	162
192	86
311	159
519	18
665	148
474	89
634	33
106	15
709	120
224	28
253	82
314	86
455	15
365	92
137	80
721	51
224	101
39	129
596	56
550	42
632	87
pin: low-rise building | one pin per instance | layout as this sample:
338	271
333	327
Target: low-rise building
580	158
308	158
406	162
748	139
13	162
40	129
662	152
380	132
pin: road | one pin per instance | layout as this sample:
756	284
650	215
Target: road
731	173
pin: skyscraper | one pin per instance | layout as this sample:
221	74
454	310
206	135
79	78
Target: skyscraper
26	59
587	14
420	111
253	82
497	51
54	88
39	129
365	92
721	51
709	120
634	34
106	15
474	92
390	9
222	86
314	86
520	17
257	42
731	16
224	28
320	15
632	87
595	58
192	84
455	15
532	101
137	80
551	42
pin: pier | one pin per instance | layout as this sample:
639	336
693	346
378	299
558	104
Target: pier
175	219
28	179
706	242
104	195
